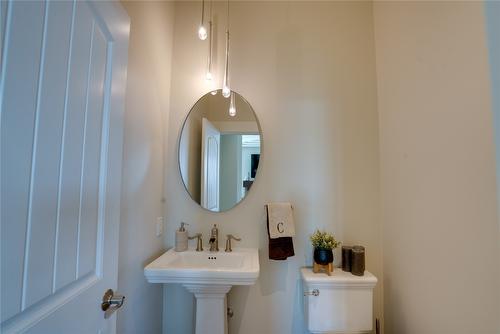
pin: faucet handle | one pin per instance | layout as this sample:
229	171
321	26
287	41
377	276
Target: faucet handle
228	242
230	236
199	241
196	236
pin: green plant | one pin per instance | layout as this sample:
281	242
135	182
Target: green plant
324	240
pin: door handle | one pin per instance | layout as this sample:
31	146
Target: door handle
111	302
314	293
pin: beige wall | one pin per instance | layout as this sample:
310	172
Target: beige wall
308	70
440	227
147	102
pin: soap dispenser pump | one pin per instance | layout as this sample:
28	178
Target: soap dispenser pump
181	238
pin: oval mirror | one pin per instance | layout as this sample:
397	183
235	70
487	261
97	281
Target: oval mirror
219	150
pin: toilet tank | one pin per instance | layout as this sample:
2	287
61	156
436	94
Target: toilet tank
344	303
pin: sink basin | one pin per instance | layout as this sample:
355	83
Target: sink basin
239	267
209	276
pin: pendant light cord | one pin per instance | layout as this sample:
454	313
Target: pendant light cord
202	11
226	90
210	30
210	10
227	55
227	44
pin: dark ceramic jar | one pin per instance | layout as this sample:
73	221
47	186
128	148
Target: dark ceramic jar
323	256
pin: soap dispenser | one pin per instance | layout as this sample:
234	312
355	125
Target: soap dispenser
181	239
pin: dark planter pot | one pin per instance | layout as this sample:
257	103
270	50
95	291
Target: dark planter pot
323	256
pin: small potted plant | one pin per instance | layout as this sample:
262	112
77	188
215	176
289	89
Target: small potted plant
324	243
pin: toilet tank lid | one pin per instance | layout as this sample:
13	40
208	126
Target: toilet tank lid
338	278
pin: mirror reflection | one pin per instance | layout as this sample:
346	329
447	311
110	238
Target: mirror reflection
219	150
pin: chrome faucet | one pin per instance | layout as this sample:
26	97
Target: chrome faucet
214	239
230	237
199	242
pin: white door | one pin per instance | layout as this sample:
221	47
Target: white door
62	83
210	156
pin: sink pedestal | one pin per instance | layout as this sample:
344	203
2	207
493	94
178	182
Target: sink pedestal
211	307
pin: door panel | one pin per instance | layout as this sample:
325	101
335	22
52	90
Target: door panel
3	17
212	173
61	98
49	112
26	27
210	165
88	220
72	147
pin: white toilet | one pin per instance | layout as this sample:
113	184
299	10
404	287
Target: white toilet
340	303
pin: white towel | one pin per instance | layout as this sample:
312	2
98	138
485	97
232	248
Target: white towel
280	217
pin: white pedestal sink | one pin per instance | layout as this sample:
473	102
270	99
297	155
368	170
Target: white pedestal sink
209	276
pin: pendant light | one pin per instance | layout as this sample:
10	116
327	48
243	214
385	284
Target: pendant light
226	90
209	61
232	106
202	31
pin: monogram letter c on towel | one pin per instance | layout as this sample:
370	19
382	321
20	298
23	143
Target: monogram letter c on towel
280	227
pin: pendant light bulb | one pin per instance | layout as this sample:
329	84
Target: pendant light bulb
214	92
232	107
202	33
209	76
226	91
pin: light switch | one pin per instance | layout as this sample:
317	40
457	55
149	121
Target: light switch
159	226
